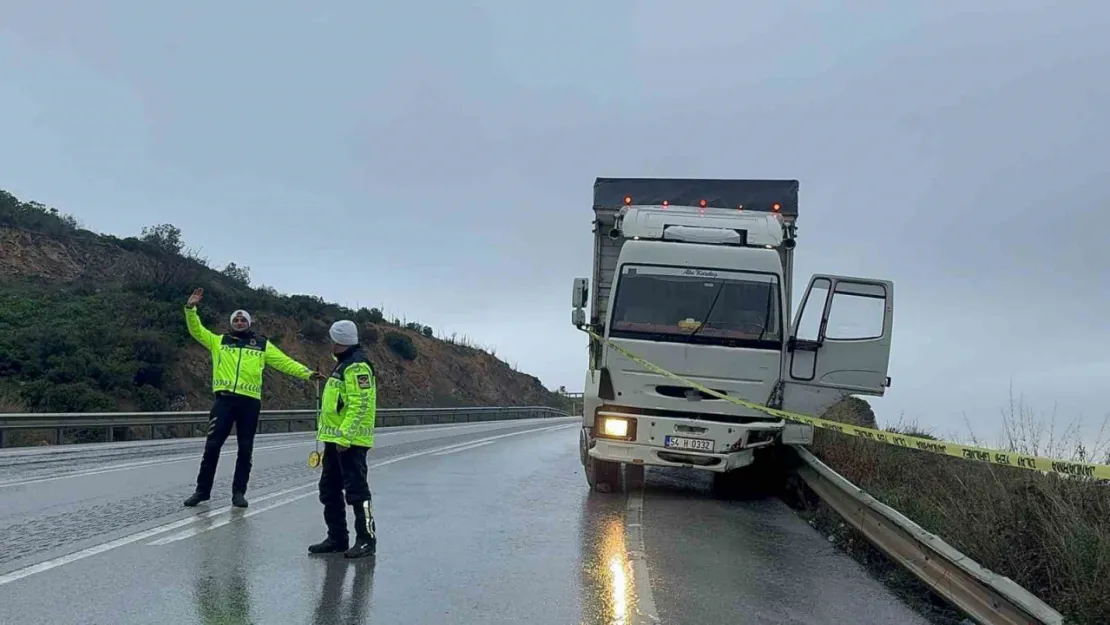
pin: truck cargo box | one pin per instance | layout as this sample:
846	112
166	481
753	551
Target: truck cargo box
758	195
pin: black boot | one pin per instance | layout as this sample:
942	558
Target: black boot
366	539
239	500
329	545
196	498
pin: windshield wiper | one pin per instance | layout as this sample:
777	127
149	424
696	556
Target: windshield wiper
705	317
766	313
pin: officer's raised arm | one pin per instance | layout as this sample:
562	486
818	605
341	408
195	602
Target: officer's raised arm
196	328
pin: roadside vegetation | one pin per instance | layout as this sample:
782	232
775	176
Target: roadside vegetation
92	322
1048	533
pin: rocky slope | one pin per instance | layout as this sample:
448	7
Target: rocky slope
94	322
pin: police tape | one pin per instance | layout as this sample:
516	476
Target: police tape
946	448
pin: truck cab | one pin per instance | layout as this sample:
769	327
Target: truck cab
700	288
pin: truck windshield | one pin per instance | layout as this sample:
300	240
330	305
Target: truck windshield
683	304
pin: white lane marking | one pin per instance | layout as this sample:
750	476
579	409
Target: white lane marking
150	533
227	452
455	451
7	578
645	611
193	531
134	465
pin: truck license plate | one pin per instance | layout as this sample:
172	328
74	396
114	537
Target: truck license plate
691	444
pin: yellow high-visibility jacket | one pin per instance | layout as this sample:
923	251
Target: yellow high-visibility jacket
238	361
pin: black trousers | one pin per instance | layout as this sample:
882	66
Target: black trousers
242	412
343	479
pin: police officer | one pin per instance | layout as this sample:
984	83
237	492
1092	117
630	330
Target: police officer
238	359
347	412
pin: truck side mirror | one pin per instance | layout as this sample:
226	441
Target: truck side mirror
578	317
581	293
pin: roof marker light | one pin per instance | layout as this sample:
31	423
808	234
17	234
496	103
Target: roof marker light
702	203
628	200
776	207
666	203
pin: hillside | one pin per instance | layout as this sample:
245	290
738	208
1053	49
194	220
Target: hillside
93	322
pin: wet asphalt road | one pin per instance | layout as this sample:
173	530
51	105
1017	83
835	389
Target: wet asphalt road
484	524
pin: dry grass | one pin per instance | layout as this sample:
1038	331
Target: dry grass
1050	534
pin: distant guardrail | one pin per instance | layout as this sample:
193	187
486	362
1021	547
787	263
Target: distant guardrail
198	419
985	596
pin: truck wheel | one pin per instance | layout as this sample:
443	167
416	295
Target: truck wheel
765	477
603	476
633	476
730	485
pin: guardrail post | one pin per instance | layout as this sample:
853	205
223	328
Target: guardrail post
110	434
3	438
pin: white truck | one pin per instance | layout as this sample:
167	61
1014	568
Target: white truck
695	276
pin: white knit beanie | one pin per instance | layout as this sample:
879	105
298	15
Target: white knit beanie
246	315
344	332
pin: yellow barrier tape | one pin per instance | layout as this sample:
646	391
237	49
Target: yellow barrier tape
956	450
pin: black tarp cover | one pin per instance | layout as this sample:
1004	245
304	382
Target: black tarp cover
752	194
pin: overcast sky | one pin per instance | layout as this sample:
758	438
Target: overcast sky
438	158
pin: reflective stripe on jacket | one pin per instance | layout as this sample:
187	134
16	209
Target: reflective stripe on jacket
238	361
348	405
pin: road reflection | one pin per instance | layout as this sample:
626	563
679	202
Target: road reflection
332	607
606	591
221	593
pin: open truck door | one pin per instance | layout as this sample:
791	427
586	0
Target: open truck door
840	343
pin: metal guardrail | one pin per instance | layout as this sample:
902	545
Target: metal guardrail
386	417
985	596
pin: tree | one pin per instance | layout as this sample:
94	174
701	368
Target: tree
166	237
369	315
234	272
427	331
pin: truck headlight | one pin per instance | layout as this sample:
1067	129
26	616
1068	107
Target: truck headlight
614	427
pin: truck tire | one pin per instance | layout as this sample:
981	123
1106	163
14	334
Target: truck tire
765	477
633	476
603	476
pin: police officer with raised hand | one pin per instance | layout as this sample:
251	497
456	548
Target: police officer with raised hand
238	359
347	412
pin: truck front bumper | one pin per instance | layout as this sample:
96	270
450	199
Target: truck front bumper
649	455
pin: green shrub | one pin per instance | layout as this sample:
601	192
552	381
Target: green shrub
401	345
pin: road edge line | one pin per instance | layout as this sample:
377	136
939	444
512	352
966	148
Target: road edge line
645	611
